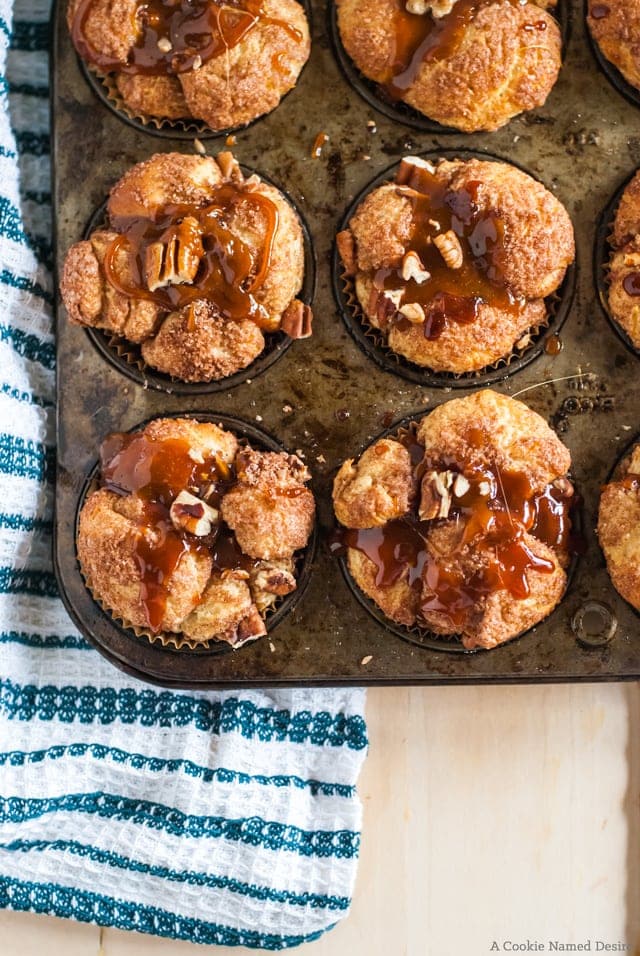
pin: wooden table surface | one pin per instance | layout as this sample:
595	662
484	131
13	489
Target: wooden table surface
493	813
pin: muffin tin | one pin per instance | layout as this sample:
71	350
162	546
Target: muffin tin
326	398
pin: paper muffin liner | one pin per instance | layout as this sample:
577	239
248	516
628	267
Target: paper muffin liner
281	607
494	372
419	635
177	640
105	88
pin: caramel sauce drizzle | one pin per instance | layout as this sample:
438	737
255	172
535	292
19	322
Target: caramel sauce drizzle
174	36
155	472
423	38
229	271
449	295
493	515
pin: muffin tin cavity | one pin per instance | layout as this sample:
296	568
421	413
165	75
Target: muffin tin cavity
603	251
404	430
104	88
158	654
127	358
372	341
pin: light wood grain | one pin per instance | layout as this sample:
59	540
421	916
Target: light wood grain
490	813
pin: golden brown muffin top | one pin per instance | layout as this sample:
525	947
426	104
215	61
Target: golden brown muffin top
464	63
194	254
153	541
615	26
167	58
623	277
619	528
484	518
451	248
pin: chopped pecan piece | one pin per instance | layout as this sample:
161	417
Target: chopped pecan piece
413	312
189	513
229	167
408	166
435	495
297	320
413	268
250	627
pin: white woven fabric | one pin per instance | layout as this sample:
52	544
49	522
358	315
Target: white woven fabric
214	817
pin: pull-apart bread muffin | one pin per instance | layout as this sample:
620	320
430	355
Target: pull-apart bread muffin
224	63
452	261
462	525
619	528
615	27
471	64
191	534
624	266
195	264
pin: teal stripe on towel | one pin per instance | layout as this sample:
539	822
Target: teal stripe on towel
18	758
89	907
250	831
153	708
240	888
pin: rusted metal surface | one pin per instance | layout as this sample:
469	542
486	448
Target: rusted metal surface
325	397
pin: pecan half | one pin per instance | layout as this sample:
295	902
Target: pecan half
175	260
297	320
448	245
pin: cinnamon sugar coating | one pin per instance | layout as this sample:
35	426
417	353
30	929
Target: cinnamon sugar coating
231	89
270	510
485	435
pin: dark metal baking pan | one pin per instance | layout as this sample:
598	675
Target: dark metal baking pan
326	398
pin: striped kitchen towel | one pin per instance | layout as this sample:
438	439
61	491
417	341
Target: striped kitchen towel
213	817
